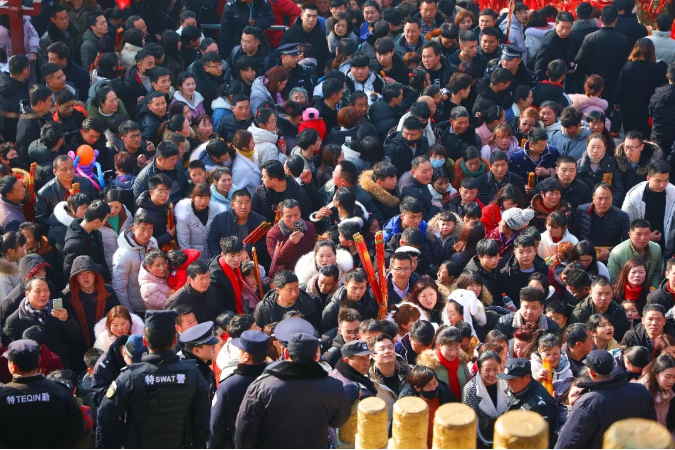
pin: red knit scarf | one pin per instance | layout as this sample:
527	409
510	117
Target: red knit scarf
452	368
236	279
632	293
549	210
555	240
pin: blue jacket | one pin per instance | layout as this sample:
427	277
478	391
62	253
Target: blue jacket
393	226
521	164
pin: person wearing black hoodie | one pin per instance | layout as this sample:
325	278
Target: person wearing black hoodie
552	89
84	238
87	298
277	187
307	30
35	113
13	89
209	76
492	90
406	145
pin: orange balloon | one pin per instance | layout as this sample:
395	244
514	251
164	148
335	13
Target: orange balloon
86	154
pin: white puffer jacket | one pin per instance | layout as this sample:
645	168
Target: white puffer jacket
110	237
305	268
9	276
265	146
154	291
190	231
246	174
127	262
104	338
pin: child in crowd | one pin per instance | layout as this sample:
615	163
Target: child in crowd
152	277
603	332
197	172
556	232
179	260
440	188
446	226
249	288
557	311
631	311
124	171
468	192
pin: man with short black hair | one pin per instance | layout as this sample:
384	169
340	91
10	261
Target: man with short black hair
349	321
59	54
497	177
295	235
556	46
490	39
436	65
238	15
84	238
574	191
190	38
165	162
287	296
600	222
653	325
664	295
12	193
664	45
552	89
421	173
387	367
530	304
275	188
420	338
627	22
514	273
639	245
332	91
356	290
59	188
198	294
600	302
44	150
492	90
252	46
59	29
412	38
307	30
33	117
360	77
386	60
137	76
468	51
485	265
612	398
383	112
406	144
97	28
13	91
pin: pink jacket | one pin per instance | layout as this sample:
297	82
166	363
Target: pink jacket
586	104
485	134
154	291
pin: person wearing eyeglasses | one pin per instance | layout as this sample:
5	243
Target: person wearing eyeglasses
386	367
398	278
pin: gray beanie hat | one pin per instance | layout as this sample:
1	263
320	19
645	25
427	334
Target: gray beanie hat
516	218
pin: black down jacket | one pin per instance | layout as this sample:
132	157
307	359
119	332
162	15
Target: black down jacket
614	225
662	111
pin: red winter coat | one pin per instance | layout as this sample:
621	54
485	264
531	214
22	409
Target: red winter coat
491	217
316	124
285	13
290	253
178	278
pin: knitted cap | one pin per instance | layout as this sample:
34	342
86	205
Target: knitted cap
517	218
310	114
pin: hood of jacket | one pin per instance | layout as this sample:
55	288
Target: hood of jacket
258	86
262	136
83	264
369	185
198	98
145	277
581	102
221	103
650	153
27	266
433	226
484	90
126	241
144	201
8	268
61	214
10	86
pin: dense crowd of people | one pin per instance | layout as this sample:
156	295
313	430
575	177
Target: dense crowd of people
227	237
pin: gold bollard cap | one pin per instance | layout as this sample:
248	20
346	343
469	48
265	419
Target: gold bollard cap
372	429
521	429
637	433
455	427
410	423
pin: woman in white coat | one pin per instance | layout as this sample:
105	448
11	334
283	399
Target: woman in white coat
486	395
12	249
194	217
264	131
245	172
325	252
118	220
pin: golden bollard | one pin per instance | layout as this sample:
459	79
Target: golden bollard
410	423
372	424
347	432
521	429
455	426
637	433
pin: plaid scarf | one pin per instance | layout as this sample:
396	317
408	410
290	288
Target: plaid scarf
27	312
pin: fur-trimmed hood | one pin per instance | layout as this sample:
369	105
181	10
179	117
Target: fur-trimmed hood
485	296
9	268
433	227
423	314
61	214
104	338
429	358
650	153
368	184
305	268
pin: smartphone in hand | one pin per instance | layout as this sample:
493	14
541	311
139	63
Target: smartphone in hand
57	303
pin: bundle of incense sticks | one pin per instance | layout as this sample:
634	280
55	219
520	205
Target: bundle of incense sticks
257	234
256	272
381	274
29	207
273	265
277	216
368	266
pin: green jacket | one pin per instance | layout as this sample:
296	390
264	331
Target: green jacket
625	251
616	314
95	113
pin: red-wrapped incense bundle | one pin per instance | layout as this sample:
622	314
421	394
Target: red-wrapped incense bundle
277	216
29	207
169	217
257	234
381	273
273	265
256	272
367	266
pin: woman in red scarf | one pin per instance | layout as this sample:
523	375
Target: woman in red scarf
633	284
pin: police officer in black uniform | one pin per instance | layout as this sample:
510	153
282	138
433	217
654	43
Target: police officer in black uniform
300	75
161	402
199	344
35	412
512	55
528	394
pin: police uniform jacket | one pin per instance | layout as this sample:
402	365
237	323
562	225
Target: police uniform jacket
33	403
536	398
163	401
292	403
